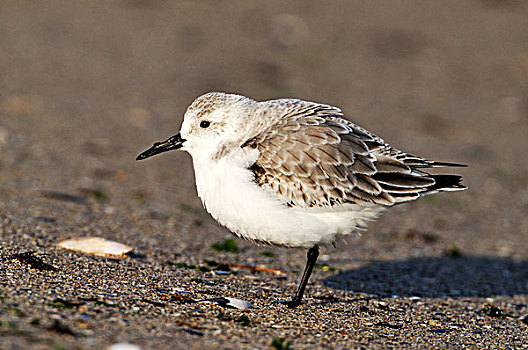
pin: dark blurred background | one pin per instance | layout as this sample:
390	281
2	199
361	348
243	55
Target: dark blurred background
86	86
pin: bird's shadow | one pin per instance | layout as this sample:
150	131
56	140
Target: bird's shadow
469	276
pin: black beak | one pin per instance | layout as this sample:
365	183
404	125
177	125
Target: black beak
171	143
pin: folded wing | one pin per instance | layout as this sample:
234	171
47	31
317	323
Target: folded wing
315	158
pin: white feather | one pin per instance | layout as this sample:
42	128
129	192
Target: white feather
229	194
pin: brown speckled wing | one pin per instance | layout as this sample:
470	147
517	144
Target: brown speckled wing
312	157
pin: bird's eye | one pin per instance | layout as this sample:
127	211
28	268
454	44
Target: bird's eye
205	123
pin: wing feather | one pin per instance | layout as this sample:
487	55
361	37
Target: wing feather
312	157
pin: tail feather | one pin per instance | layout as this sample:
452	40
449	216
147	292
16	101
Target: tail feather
447	183
446	164
417	162
407	187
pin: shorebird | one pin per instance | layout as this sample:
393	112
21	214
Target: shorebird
294	173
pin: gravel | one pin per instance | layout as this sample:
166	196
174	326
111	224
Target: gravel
84	89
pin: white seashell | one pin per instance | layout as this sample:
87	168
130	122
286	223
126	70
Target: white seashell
229	302
95	245
238	303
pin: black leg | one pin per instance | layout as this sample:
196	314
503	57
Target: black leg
311	256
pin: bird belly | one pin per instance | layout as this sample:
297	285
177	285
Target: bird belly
230	195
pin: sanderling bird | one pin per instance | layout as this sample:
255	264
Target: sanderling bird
295	173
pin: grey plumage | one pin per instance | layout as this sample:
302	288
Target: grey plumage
313	157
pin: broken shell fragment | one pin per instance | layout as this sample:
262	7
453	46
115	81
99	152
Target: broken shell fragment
95	245
229	302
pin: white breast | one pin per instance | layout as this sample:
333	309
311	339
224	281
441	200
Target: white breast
229	194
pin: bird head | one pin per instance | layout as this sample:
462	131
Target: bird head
213	124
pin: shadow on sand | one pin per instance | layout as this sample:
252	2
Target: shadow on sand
437	277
